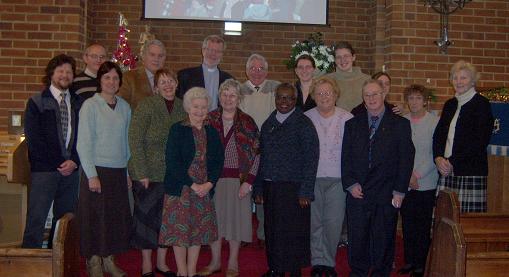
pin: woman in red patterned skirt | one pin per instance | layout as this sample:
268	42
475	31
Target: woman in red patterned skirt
194	160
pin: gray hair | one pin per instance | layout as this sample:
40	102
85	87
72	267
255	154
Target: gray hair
372	81
149	43
195	93
214	39
259	57
468	67
231	83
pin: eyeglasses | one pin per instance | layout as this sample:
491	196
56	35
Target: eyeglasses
214	51
325	93
96	57
166	82
372	95
256	69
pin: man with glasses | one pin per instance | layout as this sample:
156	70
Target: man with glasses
85	84
207	75
138	84
259	103
258	92
376	165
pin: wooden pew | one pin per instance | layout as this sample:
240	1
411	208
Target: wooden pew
448	250
485	232
486	236
14	181
482	231
488	264
61	261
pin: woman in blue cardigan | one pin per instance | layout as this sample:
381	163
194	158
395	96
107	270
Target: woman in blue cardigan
103	209
194	161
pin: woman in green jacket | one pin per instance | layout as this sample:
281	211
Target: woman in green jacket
148	135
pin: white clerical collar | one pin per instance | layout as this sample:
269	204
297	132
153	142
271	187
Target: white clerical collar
281	117
209	69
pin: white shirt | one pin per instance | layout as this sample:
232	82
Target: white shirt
56	94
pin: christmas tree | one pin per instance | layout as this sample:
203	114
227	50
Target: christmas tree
123	55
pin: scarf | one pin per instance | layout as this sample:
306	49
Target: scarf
246	137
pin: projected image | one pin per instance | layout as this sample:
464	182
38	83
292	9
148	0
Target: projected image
279	11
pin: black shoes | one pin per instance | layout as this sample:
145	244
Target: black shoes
166	273
296	273
317	271
406	269
323	271
419	272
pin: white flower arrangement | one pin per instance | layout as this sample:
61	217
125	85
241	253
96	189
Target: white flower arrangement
316	48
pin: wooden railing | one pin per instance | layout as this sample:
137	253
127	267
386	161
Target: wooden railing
61	261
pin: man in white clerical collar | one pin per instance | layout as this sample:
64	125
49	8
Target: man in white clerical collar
208	75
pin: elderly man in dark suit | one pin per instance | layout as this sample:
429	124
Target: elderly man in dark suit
376	163
207	75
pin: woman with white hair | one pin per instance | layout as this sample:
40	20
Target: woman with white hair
460	140
194	161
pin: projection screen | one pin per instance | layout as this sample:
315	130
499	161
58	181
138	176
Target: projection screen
271	11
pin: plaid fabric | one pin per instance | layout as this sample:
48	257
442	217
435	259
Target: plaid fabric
471	191
64	116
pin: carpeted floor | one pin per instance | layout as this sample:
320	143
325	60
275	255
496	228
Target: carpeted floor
252	261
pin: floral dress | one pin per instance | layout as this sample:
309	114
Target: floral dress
190	220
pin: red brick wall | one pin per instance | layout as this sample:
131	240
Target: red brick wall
397	33
31	33
479	33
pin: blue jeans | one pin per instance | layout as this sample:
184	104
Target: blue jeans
48	187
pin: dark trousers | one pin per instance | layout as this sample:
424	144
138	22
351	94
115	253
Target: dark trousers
416	216
371	233
48	187
287	227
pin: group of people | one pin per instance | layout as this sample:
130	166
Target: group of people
163	160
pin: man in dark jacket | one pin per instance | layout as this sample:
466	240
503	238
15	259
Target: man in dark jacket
51	124
376	165
207	75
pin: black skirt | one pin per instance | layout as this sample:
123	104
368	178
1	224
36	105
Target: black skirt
105	218
148	205
287	227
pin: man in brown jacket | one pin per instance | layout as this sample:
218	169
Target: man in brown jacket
139	83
